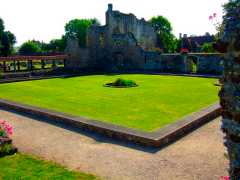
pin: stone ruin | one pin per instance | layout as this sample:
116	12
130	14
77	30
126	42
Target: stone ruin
126	43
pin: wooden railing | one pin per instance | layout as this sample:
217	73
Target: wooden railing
15	63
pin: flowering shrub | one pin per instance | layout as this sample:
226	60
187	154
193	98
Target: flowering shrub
215	20
225	178
184	50
5	129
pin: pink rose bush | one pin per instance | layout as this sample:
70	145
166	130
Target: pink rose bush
225	178
6	147
5	129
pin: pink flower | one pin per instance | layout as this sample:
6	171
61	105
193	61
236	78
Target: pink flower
6	128
184	50
214	15
211	17
225	178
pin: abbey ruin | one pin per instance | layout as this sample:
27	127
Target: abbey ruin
127	43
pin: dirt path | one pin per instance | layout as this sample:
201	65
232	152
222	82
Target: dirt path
198	156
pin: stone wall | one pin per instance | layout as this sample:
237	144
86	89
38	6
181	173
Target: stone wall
200	63
123	38
79	58
210	63
120	23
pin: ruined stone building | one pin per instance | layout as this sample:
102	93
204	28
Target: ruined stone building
127	43
121	42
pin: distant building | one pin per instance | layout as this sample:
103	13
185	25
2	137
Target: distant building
194	43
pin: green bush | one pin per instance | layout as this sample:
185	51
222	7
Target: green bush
29	48
5	149
122	83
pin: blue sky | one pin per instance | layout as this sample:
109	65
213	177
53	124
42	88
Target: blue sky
45	19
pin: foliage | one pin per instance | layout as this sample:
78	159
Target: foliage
230	44
5	129
122	83
7	40
219	26
158	101
77	28
21	166
155	49
231	19
57	45
207	48
5	149
30	48
34	46
166	40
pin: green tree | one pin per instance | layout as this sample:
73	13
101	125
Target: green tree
207	48
7	40
57	45
166	40
77	28
29	48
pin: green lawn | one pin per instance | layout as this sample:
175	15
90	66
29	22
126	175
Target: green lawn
20	166
156	102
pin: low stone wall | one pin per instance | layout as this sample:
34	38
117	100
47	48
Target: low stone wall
159	138
130	56
200	63
210	64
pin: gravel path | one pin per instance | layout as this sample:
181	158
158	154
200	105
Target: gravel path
196	156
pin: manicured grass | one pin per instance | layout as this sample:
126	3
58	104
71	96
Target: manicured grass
156	102
20	166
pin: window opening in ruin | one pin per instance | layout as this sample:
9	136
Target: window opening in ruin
101	40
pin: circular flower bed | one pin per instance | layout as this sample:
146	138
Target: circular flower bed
122	83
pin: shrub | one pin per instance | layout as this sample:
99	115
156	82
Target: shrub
29	48
6	147
122	83
5	129
207	48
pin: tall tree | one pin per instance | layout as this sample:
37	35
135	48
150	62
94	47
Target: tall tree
77	28
57	45
166	40
7	40
30	48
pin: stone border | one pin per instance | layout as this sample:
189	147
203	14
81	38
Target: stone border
32	78
158	138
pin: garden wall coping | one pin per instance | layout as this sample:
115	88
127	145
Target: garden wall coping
31	78
159	138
